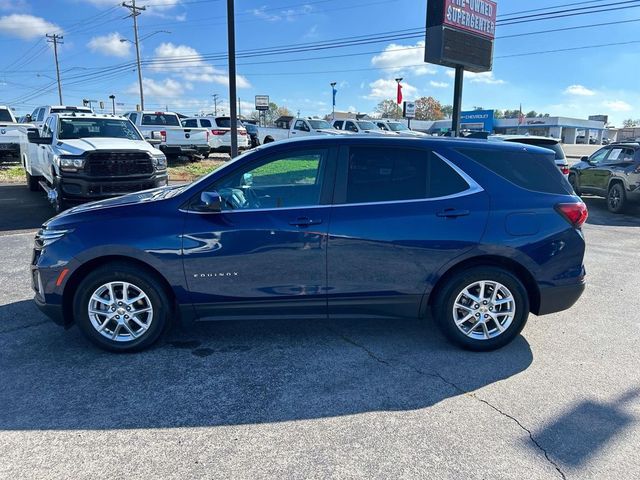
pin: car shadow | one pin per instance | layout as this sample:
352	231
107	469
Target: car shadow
22	209
600	215
232	373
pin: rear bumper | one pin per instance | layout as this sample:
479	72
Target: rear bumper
185	149
96	188
557	299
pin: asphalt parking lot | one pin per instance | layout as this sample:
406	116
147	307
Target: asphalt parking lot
331	399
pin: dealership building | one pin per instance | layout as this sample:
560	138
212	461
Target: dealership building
569	130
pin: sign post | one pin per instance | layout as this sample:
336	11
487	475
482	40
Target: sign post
460	35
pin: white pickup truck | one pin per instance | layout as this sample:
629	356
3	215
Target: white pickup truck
363	127
12	135
83	157
298	127
175	141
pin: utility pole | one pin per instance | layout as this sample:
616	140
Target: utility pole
56	39
231	33
113	103
215	104
457	101
135	11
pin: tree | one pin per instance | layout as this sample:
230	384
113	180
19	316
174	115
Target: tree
531	114
274	113
498	114
630	123
428	108
447	111
389	109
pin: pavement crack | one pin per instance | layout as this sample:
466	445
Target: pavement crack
460	390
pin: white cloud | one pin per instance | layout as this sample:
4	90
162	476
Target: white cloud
167	88
485	77
579	90
13	5
383	89
397	58
273	15
187	62
618	106
438	84
110	45
351	108
26	26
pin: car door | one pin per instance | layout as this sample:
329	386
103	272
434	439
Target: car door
300	129
588	171
400	215
264	253
44	156
351	127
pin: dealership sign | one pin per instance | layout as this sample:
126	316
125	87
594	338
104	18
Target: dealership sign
262	102
474	16
460	33
409	110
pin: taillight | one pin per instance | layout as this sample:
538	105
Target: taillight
575	213
565	170
218	132
163	135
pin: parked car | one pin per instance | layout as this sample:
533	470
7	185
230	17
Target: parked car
612	172
298	127
175	140
581	139
83	157
398	128
545	142
219	132
365	127
12	135
40	114
479	233
252	131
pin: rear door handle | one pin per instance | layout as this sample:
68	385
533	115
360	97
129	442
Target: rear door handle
304	222
453	213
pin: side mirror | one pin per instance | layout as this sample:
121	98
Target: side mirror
212	201
584	159
33	136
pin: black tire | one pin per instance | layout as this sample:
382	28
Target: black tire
616	198
60	203
140	280
32	182
443	308
573	180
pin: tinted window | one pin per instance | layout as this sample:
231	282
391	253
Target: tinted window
160	119
392	174
544	143
300	125
205	123
350	126
134	117
338	124
223	122
190	123
532	171
41	114
5	116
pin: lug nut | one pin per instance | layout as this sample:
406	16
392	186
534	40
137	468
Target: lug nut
128	309
117	317
484	303
477	315
126	317
486	316
120	303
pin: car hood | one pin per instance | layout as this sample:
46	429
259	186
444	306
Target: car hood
78	146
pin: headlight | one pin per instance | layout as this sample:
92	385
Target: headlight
46	237
71	164
159	161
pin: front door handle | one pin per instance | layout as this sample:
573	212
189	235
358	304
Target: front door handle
304	222
453	213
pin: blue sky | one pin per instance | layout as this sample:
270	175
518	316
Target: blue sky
575	83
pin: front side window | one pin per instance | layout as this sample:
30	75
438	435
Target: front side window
283	181
134	117
301	126
350	126
41	114
392	174
46	129
338	124
599	156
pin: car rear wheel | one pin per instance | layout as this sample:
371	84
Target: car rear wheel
482	309
573	180
121	308
616	198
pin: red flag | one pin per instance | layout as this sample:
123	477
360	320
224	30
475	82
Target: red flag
399	93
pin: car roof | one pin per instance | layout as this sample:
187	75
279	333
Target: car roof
521	137
87	115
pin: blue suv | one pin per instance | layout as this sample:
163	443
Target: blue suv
478	233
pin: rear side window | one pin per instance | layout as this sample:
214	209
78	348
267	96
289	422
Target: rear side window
190	123
393	174
205	123
5	116
532	171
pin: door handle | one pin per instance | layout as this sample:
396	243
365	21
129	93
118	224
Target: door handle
453	213
304	222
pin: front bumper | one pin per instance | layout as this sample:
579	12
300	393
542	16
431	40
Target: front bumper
83	188
10	149
557	299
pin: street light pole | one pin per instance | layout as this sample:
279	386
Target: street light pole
135	11
333	102
231	33
113	103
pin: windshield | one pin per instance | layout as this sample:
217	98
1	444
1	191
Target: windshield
97	127
5	116
71	110
367	126
397	127
318	124
161	119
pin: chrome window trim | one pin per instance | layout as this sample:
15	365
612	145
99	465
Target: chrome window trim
474	188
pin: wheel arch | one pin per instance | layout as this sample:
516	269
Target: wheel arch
81	272
614	180
508	264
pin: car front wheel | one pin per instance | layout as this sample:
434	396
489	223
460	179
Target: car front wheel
121	308
482	309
